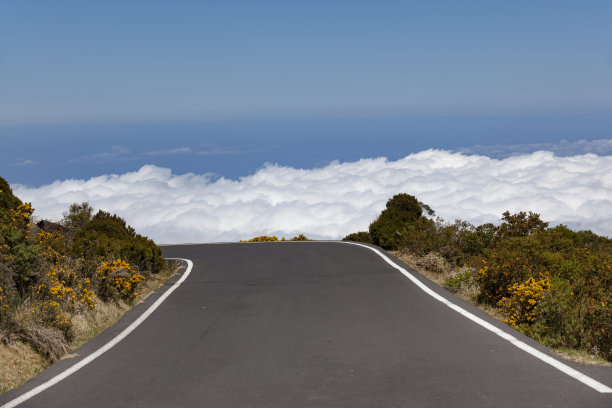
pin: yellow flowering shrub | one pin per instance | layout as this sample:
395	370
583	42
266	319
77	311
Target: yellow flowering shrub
263	238
51	313
22	215
496	276
53	246
300	237
63	286
521	305
118	279
3	302
274	238
58	294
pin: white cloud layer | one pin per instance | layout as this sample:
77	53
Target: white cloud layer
332	201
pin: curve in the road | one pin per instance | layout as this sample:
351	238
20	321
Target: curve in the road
564	368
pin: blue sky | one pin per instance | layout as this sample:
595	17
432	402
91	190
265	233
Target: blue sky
180	115
95	88
139	60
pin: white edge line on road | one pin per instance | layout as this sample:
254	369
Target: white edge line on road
106	347
596	385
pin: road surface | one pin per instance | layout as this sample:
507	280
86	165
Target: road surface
310	324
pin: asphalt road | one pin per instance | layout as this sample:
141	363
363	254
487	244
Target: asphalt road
308	325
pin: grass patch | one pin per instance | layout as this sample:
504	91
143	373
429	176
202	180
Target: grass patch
20	362
582	356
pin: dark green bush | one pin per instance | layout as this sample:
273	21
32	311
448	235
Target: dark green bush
400	216
25	258
108	236
300	237
8	201
520	224
361	236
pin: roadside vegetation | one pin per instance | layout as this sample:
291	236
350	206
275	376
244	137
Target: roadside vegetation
63	283
552	283
274	238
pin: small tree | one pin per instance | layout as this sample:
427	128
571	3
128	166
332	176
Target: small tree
521	224
398	221
78	215
408	205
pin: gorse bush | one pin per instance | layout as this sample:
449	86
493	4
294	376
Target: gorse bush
300	237
3	302
118	279
521	305
553	284
274	238
263	238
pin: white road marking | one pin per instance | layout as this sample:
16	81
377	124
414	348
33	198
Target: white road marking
596	385
24	397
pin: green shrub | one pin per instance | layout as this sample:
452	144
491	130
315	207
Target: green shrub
300	237
520	224
398	224
264	238
108	236
505	265
25	258
575	315
361	236
462	279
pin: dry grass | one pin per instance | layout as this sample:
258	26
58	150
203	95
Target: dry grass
20	362
89	324
35	347
432	266
442	270
48	342
582	356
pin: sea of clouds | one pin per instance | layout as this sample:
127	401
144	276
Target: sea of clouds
340	198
